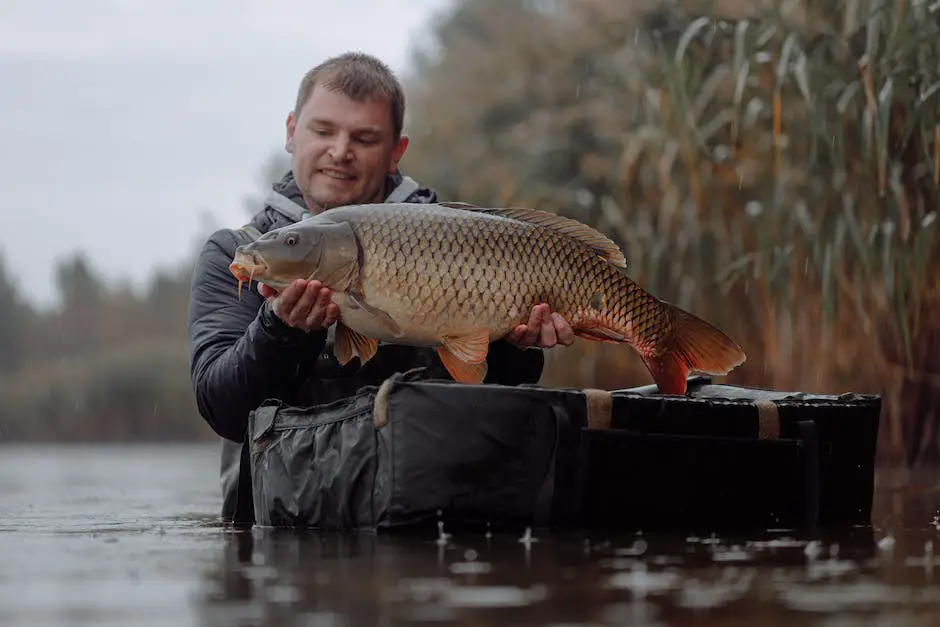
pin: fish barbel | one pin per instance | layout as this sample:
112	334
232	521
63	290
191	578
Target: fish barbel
456	277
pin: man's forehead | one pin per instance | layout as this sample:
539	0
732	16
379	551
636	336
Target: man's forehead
326	106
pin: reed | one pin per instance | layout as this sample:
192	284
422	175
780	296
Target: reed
772	168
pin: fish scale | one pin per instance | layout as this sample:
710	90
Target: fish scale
453	293
458	278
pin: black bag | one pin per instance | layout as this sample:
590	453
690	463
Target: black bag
400	454
415	452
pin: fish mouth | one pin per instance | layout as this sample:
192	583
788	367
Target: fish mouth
245	267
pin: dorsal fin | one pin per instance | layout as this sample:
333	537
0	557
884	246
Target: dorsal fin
456	204
602	245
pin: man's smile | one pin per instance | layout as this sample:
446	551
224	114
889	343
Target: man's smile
337	174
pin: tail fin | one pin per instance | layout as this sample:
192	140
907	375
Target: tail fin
693	346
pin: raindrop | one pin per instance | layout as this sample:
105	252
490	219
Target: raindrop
442	537
527	536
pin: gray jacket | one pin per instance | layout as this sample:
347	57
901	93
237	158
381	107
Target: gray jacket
241	354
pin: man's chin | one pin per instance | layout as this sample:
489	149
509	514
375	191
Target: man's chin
328	201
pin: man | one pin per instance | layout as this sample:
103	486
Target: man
345	139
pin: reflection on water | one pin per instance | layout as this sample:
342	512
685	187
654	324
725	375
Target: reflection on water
128	536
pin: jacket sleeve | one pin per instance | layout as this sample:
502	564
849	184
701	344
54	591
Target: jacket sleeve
240	353
511	365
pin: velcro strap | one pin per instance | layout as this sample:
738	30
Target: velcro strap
599	408
768	419
380	404
407	187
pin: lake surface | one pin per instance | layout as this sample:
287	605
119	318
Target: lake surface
128	535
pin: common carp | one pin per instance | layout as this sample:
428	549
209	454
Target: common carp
457	277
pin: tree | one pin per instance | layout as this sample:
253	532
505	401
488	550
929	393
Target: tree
12	321
82	297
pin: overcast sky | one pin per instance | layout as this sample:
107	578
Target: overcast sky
122	120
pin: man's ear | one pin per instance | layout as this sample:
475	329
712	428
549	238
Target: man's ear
399	151
290	127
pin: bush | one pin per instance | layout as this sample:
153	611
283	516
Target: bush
139	392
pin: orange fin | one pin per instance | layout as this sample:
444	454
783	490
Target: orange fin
470	348
694	346
348	343
600	334
461	371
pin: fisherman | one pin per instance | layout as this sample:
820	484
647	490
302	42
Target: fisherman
345	139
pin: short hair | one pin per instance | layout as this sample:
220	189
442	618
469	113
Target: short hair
358	76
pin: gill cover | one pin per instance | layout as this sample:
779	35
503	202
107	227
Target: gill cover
314	249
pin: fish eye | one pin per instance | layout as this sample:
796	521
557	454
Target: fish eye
290	239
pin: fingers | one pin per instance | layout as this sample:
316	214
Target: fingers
286	301
547	336
306	306
544	329
332	315
532	329
317	312
515	336
563	330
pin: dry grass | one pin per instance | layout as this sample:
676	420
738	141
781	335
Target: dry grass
776	175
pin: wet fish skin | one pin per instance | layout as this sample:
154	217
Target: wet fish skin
457	277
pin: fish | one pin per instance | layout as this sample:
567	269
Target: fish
457	277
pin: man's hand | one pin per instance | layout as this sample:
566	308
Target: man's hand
302	304
544	329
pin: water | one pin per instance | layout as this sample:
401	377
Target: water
128	536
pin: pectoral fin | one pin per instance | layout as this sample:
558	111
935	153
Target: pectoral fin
461	371
464	356
348	343
600	334
471	348
379	315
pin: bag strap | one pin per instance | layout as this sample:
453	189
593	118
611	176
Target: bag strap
406	188
295	213
599	405
285	206
246	234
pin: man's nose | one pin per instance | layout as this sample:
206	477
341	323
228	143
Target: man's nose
339	149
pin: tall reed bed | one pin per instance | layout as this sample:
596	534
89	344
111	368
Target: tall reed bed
774	171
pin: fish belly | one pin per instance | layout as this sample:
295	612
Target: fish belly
413	331
422	321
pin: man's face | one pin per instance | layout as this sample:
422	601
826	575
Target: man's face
342	149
